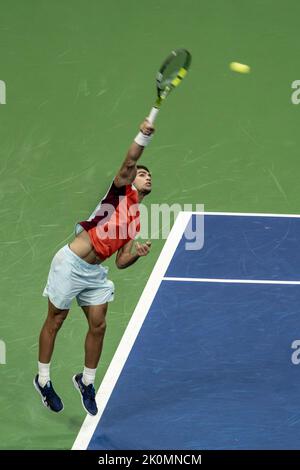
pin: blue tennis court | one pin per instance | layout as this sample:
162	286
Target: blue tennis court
209	365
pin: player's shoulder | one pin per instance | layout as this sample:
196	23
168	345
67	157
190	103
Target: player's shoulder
118	188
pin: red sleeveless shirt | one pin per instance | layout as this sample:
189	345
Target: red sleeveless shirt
114	222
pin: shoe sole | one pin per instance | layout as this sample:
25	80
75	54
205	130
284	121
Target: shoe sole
43	399
78	389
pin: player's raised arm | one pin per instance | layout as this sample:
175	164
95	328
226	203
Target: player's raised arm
127	172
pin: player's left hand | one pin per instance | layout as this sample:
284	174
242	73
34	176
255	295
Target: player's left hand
142	249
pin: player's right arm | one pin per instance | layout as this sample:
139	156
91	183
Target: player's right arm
127	172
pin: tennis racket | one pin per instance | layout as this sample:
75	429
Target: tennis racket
169	76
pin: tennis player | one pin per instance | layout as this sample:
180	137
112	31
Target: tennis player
77	271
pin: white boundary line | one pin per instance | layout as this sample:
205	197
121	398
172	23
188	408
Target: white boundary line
114	370
245	214
229	281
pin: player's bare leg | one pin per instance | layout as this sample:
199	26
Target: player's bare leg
84	382
95	315
52	325
42	382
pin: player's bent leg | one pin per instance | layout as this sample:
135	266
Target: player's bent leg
84	382
42	382
96	317
52	325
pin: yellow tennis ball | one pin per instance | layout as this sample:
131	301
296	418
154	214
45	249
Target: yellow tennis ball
240	68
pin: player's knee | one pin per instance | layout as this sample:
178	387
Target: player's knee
98	328
57	321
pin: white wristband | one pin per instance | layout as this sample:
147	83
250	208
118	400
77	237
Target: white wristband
142	139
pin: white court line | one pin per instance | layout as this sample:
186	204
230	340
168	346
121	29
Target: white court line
229	281
244	214
115	368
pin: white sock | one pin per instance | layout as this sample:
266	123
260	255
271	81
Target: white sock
44	373
88	376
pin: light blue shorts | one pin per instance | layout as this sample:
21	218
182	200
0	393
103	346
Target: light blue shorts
70	277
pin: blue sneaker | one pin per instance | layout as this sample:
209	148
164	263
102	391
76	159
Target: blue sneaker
87	393
50	399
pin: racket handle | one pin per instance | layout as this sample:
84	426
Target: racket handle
153	113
